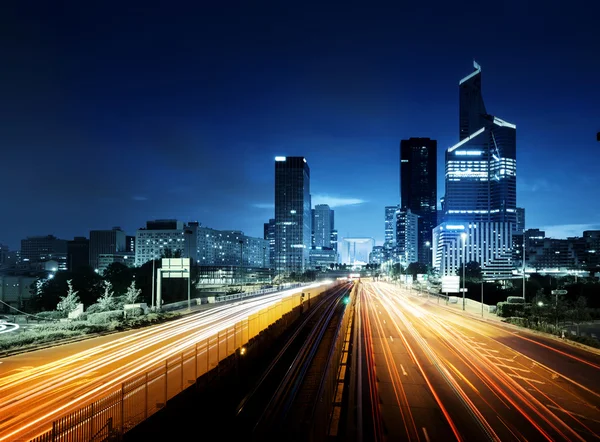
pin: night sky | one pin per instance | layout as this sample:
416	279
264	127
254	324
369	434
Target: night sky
112	115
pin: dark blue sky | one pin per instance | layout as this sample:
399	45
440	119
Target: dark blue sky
113	115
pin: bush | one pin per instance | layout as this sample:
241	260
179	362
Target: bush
585	340
53	315
94	308
134	312
105	317
507	310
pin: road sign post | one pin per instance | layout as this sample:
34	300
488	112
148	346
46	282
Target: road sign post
556	293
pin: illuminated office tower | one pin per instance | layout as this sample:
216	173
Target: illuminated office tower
292	215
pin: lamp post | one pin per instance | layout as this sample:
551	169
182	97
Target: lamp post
241	265
523	258
464	241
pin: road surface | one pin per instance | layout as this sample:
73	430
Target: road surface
441	374
38	387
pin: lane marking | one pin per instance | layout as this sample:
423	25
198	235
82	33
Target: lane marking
426	435
525	379
513	368
501	358
403	370
391	339
384	321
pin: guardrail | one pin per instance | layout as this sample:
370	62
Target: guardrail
234	296
124	407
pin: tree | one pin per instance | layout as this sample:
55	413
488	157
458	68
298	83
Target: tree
415	268
68	303
472	272
106	301
132	294
580	312
120	276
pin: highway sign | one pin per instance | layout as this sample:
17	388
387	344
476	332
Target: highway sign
450	284
559	292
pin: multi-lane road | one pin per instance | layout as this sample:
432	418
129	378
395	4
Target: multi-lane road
436	373
37	388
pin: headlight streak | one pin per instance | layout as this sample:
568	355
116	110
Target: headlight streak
468	355
427	380
399	392
435	360
62	375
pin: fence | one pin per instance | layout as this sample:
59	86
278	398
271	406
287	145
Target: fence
140	397
225	298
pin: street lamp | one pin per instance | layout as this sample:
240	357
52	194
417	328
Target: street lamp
241	264
464	241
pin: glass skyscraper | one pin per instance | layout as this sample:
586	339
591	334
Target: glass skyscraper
418	189
481	169
480	204
292	215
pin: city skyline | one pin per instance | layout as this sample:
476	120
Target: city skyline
103	134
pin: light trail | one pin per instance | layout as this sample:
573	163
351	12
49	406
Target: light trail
511	383
34	397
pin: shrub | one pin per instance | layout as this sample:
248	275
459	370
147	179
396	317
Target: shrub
585	340
134	312
52	314
506	310
105	317
94	308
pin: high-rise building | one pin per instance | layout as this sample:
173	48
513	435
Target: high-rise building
78	253
3	255
481	168
269	235
231	248
480	187
418	188
44	248
106	242
520	220
389	241
292	215
377	255
407	236
322	224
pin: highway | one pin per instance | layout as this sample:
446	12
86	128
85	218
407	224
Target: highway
38	387
436	373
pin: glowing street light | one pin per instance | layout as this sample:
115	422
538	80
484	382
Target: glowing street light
464	240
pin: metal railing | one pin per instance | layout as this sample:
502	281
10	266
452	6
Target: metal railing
233	297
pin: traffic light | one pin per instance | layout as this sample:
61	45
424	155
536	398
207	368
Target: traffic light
346	299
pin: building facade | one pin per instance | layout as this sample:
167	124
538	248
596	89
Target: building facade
106	242
489	244
78	253
231	248
390	233
269	235
106	259
293	230
322	225
15	290
377	255
356	251
407	236
418	188
161	237
481	172
44	248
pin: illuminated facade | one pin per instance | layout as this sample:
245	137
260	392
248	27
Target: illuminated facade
481	188
407	236
322	225
293	229
389	243
488	243
106	242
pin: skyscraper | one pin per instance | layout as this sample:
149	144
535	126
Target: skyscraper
407	236
269	235
322	225
418	188
292	214
480	199
481	169
389	242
